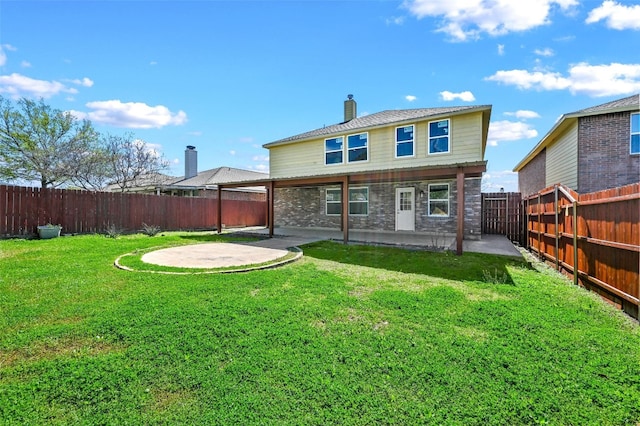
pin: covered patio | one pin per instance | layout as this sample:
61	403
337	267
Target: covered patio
459	172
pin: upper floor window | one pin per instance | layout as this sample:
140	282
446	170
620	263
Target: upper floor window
439	199
404	141
358	147
439	142
333	150
635	133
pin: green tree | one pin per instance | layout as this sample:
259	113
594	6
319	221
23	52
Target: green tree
40	143
133	162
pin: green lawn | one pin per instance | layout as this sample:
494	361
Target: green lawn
347	335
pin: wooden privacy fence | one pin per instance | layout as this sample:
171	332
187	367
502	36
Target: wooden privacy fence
22	209
593	237
502	214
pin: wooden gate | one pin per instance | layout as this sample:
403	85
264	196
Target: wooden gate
502	214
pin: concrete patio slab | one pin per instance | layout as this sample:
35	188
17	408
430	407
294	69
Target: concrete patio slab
224	255
213	255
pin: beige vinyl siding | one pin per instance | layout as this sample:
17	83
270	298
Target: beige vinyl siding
307	158
562	159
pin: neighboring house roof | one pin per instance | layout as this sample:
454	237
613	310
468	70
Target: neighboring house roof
213	177
207	179
620	105
145	182
379	119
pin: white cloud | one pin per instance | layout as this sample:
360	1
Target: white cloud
261	168
501	49
260	158
616	16
544	52
465	19
3	55
410	98
17	86
504	130
133	115
232	152
495	180
465	96
523	114
583	78
395	20
85	82
152	148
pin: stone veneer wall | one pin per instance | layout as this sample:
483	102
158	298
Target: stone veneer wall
604	159
305	207
532	177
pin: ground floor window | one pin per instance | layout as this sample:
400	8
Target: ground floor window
438	199
358	201
334	202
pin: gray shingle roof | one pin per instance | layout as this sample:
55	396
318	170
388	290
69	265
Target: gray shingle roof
220	175
631	102
377	119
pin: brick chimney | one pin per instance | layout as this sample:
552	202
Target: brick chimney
190	162
350	110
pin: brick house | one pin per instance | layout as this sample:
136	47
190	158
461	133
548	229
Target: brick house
412	171
589	150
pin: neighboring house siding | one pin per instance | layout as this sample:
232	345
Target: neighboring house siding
306	207
562	159
604	160
307	158
532	177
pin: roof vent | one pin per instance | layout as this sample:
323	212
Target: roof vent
350	109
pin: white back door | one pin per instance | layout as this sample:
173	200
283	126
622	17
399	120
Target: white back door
405	209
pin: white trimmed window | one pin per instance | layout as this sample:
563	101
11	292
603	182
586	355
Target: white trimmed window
635	133
438	199
439	137
358	201
405	146
333	150
358	147
334	201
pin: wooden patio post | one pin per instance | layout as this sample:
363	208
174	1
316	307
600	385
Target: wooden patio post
270	201
219	209
460	230
345	208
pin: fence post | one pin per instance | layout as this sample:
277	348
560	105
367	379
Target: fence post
525	224
539	228
555	206
575	242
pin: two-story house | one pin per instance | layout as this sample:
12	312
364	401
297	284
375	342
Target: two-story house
589	150
414	171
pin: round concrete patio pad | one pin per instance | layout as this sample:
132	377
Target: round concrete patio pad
213	255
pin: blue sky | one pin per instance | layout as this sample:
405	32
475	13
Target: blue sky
230	76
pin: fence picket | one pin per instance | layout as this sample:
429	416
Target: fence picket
22	209
598	239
